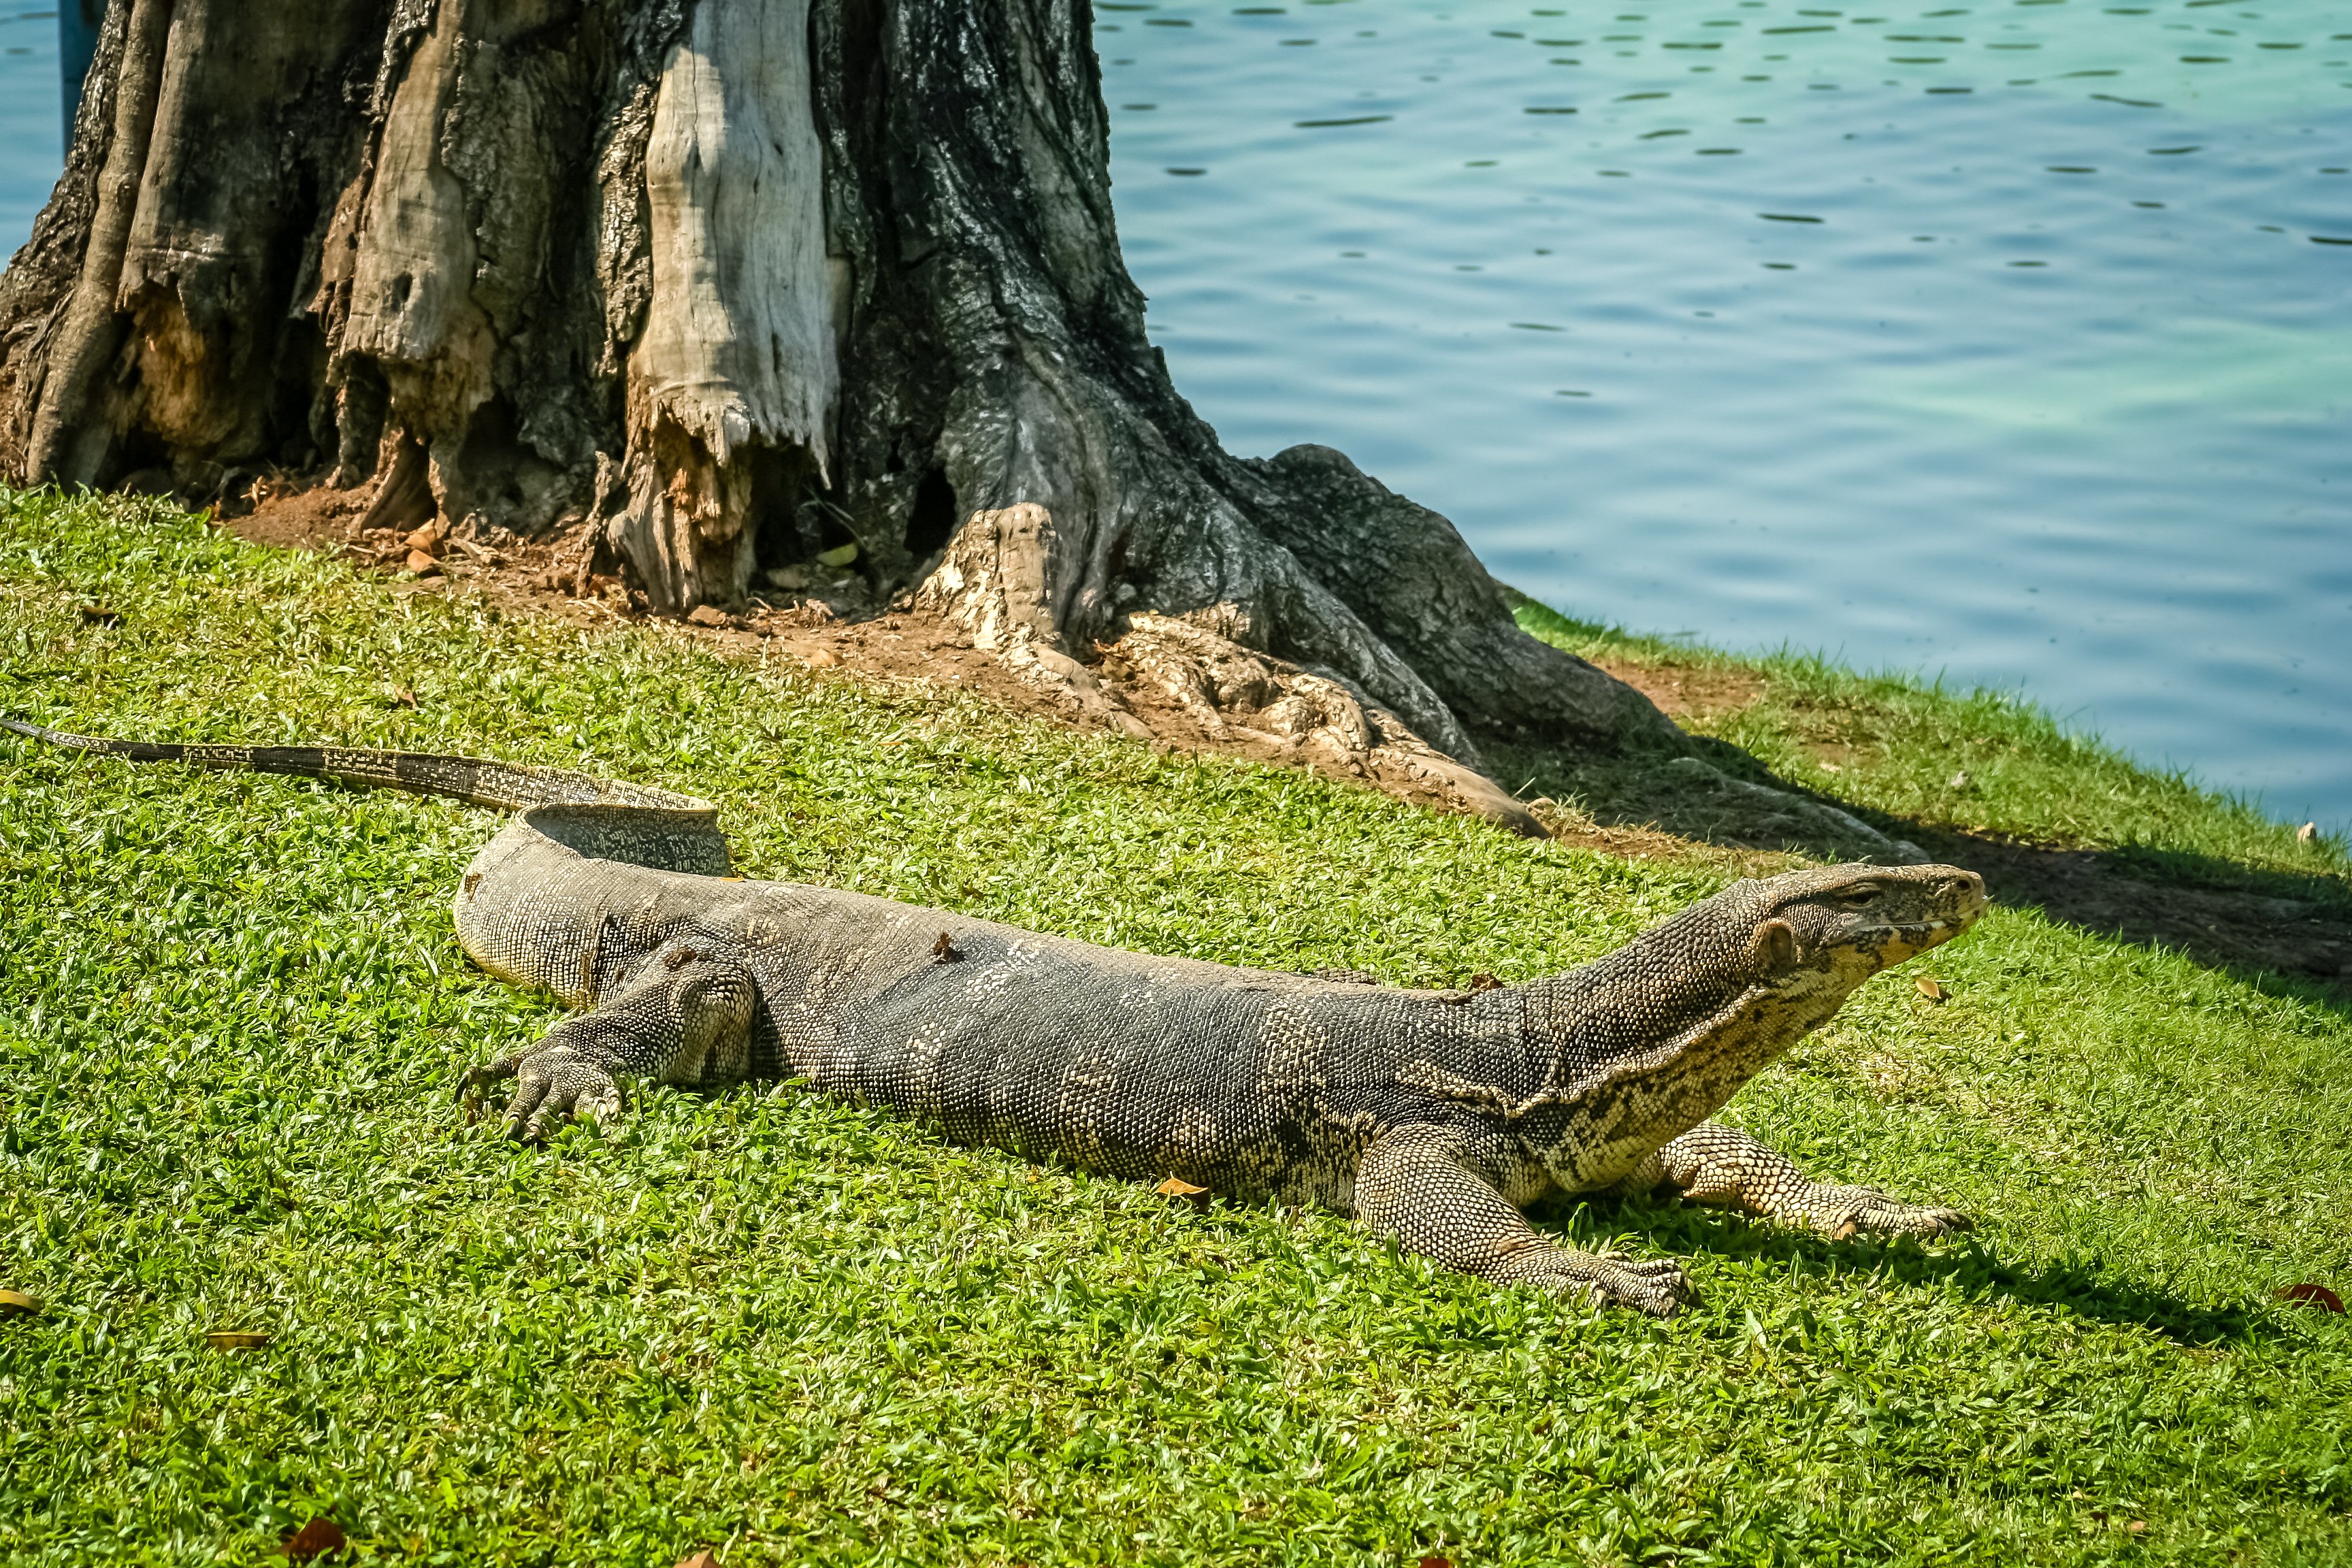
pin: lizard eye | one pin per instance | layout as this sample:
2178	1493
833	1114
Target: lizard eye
1860	897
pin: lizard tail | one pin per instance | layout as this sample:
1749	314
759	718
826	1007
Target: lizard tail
506	786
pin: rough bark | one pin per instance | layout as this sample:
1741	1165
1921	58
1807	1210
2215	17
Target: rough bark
723	284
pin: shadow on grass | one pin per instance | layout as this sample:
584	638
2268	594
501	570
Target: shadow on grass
2082	1285
2283	932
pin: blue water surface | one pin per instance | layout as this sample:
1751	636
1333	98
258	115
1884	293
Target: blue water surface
2008	343
32	120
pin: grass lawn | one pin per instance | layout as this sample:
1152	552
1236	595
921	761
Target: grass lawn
1981	762
232	1015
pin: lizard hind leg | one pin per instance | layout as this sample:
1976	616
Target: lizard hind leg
686	1019
1422	1185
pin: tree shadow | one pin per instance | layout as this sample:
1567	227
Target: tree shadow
2283	932
2084	1287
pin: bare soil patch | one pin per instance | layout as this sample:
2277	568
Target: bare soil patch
1688	691
316	517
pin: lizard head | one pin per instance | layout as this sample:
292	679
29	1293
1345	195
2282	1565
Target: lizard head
1851	921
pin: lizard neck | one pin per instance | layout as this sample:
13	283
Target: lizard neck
1579	1024
1621	1111
1636	1048
1655	989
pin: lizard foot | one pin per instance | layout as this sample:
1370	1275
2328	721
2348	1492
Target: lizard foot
1841	1212
555	1084
1656	1286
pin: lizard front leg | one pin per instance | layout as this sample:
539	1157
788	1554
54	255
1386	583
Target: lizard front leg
686	1019
1723	1167
1422	1185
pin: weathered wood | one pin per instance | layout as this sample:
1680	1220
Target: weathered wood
737	348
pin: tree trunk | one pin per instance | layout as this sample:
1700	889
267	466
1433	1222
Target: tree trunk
724	284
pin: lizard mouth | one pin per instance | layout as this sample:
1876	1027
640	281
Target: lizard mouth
1929	932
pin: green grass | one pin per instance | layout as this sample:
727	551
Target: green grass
232	1015
1897	746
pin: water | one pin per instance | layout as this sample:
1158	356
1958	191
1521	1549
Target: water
31	128
1989	340
2052	395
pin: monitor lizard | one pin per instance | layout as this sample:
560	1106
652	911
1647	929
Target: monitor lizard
1432	1117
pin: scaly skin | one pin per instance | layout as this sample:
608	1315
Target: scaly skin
1432	1117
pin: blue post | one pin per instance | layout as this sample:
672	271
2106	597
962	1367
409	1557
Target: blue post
78	24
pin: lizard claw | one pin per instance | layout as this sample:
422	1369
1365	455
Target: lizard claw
478	1077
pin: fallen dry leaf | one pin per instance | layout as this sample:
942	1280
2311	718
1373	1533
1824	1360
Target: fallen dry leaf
1960	780
1178	1187
424	565
822	657
709	616
2137	1526
319	1538
1436	1562
1932	989
18	1301
236	1338
706	1558
1485	982
404	697
2312	1294
99	615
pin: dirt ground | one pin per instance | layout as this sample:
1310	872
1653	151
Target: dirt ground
836	625
1690	694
